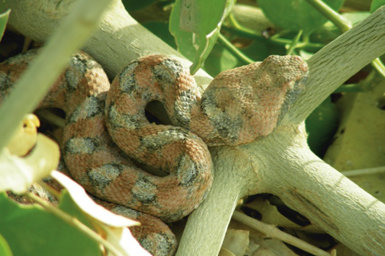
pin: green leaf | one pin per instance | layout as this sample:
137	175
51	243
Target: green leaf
376	4
3	22
4	247
160	29
70	207
29	230
195	26
260	48
133	5
321	126
220	59
295	14
329	31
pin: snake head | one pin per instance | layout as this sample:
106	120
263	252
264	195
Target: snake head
243	104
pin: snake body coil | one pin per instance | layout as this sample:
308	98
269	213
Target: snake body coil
239	106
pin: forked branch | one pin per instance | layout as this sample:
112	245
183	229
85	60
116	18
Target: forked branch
281	163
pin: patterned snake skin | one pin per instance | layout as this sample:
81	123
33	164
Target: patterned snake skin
239	106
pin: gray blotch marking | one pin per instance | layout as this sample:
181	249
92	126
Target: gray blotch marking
126	212
90	107
291	97
144	191
118	120
162	247
127	78
187	171
102	176
182	107
228	128
75	72
167	71
81	145
164	137
5	83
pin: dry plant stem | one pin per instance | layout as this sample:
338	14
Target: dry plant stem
274	232
367	171
52	118
280	163
44	70
74	222
342	23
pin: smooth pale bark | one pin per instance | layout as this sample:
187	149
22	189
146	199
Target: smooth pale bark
280	163
119	40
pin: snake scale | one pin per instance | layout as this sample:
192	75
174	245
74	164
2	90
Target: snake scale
107	134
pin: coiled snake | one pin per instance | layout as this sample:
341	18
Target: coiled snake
239	106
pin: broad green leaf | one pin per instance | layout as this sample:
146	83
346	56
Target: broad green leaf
70	207
321	126
133	5
376	4
195	26
220	59
260	48
329	31
160	29
3	22
295	14
4	247
29	230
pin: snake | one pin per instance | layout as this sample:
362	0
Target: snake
112	149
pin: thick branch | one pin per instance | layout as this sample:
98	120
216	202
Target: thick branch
119	39
207	225
282	164
324	195
338	61
270	164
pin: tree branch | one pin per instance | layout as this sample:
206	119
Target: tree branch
338	61
119	39
280	163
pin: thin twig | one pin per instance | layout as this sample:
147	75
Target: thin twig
379	66
294	43
274	232
234	50
51	117
367	171
342	23
245	32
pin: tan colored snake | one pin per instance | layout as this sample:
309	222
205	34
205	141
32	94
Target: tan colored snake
239	106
